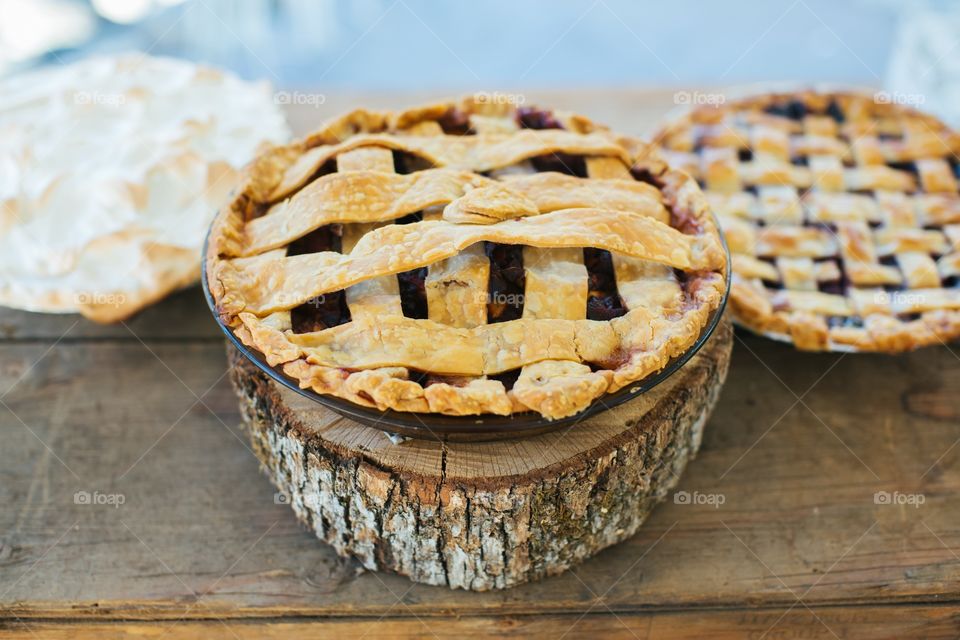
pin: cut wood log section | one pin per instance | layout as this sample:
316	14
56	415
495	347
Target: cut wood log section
480	515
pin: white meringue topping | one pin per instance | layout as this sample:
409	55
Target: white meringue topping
110	172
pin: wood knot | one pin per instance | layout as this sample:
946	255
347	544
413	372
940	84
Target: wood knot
6	551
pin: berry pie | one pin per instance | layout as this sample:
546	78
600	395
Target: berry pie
841	212
466	258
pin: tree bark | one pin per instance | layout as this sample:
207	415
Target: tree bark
480	515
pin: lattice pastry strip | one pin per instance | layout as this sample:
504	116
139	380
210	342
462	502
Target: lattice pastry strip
778	204
472	153
556	283
306	276
457	288
379	296
640	283
557	287
465	307
827	172
860	257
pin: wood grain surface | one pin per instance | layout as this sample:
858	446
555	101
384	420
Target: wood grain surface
784	535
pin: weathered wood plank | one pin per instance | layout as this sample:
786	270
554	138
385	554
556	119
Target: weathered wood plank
182	316
798	515
930	622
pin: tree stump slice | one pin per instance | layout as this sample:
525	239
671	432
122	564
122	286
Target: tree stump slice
480	515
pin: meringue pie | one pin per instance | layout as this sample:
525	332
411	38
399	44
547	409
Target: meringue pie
111	170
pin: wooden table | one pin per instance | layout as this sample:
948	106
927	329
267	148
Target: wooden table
796	451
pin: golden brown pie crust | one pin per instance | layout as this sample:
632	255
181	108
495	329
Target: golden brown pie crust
465	190
841	211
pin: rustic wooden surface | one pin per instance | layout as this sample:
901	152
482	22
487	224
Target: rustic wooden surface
481	515
798	446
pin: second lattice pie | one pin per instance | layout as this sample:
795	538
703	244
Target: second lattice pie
842	213
466	258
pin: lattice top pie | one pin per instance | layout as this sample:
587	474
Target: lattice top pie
466	258
842	214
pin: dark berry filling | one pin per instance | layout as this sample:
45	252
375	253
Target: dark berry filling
603	300
508	378
533	118
327	310
793	109
507	282
835	112
326	238
420	377
404	162
322	312
909	167
833	287
561	163
252	209
643	175
400	161
827	227
836	287
328	167
684	220
413	293
410	218
455	123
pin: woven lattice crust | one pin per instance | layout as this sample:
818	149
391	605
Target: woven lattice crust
466	258
841	211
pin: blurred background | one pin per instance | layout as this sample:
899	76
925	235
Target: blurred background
381	45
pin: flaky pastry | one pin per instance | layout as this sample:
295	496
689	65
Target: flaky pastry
841	211
466	258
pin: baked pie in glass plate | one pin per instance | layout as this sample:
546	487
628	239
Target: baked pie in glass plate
841	211
466	258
